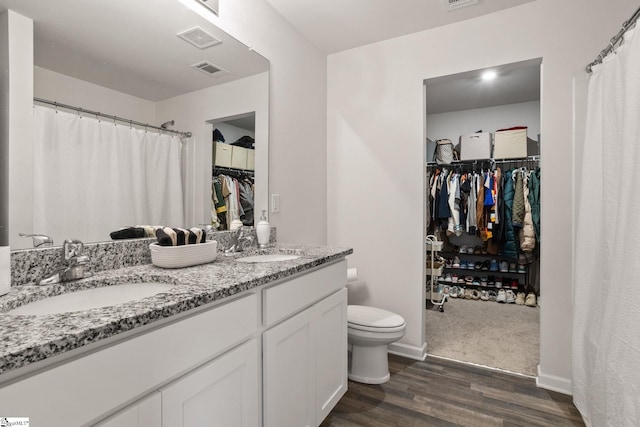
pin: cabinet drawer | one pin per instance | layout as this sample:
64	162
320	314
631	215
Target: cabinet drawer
284	299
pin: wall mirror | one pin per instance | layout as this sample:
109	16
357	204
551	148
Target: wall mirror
146	61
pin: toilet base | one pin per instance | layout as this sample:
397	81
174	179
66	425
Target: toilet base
369	364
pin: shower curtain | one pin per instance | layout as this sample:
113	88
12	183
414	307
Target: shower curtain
606	320
92	177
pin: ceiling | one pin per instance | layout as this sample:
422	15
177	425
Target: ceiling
337	25
131	46
514	83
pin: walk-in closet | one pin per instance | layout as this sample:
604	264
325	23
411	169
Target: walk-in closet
232	177
482	217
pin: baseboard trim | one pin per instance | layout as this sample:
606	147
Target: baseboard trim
408	351
554	383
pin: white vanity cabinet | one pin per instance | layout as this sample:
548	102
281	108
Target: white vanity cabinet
274	356
305	356
146	413
224	392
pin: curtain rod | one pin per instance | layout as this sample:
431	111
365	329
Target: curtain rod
615	39
114	118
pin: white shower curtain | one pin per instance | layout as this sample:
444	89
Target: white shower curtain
92	177
606	321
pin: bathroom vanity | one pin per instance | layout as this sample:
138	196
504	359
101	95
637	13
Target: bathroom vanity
230	344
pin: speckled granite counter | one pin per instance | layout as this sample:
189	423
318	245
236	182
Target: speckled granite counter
29	339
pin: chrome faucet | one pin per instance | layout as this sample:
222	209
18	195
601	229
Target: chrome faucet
39	240
240	241
73	267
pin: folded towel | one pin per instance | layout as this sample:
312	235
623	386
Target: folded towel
128	233
168	236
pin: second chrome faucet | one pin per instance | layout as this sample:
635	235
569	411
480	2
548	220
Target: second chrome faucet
73	264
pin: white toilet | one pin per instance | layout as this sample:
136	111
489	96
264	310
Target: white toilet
369	332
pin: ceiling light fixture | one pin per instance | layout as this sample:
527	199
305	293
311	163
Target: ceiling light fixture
489	75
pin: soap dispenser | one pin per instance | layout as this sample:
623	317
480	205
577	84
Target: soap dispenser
236	223
263	230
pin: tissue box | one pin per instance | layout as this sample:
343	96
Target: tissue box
184	255
476	146
510	144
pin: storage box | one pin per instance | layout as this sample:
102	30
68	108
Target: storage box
476	146
510	144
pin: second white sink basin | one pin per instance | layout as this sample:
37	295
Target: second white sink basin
92	298
268	258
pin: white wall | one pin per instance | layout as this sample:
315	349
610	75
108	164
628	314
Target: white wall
453	124
297	126
194	111
375	151
61	88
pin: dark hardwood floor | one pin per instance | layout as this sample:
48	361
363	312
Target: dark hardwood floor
439	392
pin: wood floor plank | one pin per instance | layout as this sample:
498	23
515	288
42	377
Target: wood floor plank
439	392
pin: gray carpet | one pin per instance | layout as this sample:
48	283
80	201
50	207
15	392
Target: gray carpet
504	336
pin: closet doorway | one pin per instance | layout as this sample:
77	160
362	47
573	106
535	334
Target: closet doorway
489	280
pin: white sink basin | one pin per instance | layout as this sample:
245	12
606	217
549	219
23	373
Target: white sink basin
92	298
268	258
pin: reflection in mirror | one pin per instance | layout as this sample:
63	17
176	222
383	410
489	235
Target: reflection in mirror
152	69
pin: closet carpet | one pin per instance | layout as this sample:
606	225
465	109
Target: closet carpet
504	336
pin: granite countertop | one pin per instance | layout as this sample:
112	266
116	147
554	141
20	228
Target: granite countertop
26	339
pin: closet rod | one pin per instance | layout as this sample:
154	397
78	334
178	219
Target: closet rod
114	118
492	161
615	39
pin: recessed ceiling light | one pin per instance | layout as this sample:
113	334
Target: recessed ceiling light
489	75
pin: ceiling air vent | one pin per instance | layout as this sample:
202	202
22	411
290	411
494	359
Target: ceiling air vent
199	38
450	5
210	69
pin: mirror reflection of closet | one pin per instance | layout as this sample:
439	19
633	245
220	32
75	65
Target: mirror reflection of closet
233	159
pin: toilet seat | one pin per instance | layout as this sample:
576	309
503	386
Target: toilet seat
372	319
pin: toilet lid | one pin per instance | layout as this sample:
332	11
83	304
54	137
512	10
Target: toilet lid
364	317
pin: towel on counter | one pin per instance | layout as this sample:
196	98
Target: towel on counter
168	236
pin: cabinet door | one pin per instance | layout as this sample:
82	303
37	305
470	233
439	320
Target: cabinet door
288	398
224	392
329	339
145	413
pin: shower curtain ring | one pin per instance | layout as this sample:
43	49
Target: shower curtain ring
80	113
55	104
130	124
98	117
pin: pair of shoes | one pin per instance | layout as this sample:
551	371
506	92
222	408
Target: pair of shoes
492	282
468	293
448	263
513	267
456	262
463	249
522	268
476	281
510	296
520	298
454	278
483	281
499	282
502	296
493	265
485	266
504	267
492	295
454	292
477	250
478	265
475	294
531	300
447	277
514	284
461	280
484	295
